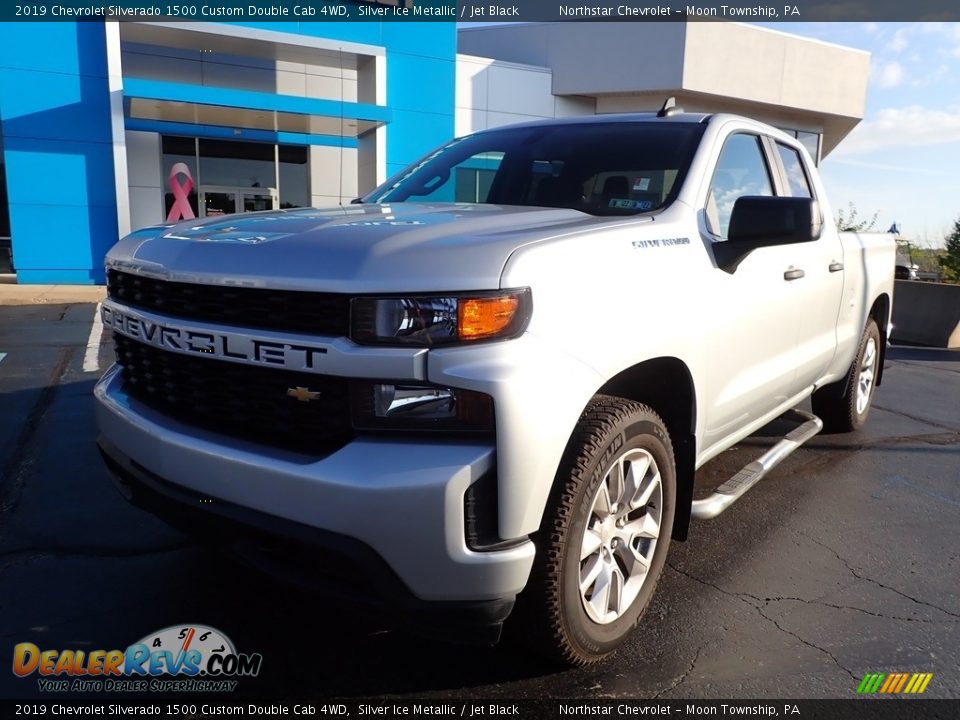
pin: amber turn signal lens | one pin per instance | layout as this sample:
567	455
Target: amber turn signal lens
481	318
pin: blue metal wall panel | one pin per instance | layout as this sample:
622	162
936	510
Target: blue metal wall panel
55	111
56	47
251	99
55	115
412	134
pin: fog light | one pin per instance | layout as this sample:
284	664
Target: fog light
403	406
425	403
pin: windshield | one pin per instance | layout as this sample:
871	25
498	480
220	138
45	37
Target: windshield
601	168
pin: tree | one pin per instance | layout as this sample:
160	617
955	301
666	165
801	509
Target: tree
950	261
849	223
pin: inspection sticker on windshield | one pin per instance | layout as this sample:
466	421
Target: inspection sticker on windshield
628	204
661	242
641	184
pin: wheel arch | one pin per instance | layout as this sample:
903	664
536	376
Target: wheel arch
880	313
666	385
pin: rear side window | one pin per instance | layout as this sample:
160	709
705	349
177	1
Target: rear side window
793	164
741	170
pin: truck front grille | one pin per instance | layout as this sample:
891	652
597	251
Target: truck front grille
240	401
254	308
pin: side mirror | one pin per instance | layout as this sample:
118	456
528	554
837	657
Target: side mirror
762	221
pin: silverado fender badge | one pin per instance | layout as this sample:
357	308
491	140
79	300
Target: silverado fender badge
303	394
661	242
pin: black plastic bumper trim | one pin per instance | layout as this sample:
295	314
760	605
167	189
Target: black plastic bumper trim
269	543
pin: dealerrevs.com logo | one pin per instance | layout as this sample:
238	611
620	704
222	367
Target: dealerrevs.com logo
188	658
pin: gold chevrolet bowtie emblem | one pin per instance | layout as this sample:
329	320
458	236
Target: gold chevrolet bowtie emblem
302	394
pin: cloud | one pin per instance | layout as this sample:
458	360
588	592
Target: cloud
888	74
932	78
833	160
910	126
899	42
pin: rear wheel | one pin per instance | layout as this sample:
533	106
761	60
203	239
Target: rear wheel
605	536
846	411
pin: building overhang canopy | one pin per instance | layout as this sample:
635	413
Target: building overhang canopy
247	109
236	39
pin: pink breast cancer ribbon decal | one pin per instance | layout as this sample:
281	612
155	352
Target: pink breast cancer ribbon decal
181	209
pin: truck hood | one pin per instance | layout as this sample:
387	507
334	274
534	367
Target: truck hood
358	248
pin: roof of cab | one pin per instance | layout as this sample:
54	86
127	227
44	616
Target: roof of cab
647	117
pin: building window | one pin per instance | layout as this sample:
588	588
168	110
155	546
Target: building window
207	178
810	140
294	176
180	178
797	177
6	259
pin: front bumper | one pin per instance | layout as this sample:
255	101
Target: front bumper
400	498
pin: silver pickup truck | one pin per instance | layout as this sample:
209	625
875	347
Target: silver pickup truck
490	381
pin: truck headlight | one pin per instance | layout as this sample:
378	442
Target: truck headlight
430	320
408	406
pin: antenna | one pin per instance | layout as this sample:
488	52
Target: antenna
669	108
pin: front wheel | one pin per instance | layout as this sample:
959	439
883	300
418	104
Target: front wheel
848	411
604	538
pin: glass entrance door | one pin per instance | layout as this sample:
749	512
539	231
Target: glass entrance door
259	199
220	200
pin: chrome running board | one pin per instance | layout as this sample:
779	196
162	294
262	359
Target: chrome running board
734	488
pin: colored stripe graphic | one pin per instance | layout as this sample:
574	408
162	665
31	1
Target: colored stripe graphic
870	683
894	683
890	682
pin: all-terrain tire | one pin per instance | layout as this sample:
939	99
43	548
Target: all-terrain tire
846	410
555	615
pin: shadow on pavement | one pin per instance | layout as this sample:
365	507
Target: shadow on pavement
82	569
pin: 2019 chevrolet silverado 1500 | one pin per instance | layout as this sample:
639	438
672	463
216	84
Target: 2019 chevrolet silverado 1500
491	380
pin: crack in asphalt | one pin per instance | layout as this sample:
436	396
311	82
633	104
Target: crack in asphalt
15	469
809	644
764	602
916	418
922	365
859	610
948	438
30	555
683	676
860	576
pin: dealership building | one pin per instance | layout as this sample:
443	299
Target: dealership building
110	127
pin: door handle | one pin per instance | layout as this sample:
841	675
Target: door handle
835	267
793	274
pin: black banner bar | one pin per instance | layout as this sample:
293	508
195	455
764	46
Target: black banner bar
467	11
873	708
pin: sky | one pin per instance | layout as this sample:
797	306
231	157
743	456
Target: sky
903	160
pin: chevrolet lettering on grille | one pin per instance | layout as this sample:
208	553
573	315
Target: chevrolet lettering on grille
224	345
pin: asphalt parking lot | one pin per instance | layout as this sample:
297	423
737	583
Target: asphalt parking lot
845	560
